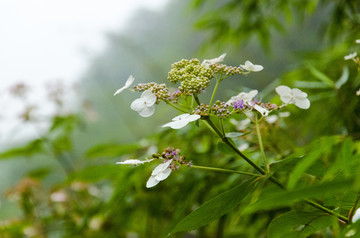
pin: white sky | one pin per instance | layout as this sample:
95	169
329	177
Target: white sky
45	40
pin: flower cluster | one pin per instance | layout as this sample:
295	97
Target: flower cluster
228	70
181	121
159	90
193	75
221	109
202	110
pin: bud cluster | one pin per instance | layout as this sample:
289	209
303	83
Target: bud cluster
202	110
194	76
221	109
225	69
159	90
170	153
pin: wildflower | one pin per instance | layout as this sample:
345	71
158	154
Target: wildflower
128	83
209	62
134	161
358	92
161	172
145	104
350	56
181	121
246	97
252	67
239	104
272	119
293	96
357	41
221	109
263	111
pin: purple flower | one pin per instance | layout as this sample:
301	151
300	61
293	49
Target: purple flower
239	104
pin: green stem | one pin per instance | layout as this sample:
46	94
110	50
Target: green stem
265	160
352	210
214	92
229	171
271	178
222	126
176	107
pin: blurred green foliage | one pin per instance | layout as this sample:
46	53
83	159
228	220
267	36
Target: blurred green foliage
69	185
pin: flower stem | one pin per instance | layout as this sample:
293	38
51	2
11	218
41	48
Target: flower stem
352	210
265	160
176	107
271	178
229	171
214	92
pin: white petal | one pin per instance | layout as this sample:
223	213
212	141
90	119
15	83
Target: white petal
193	118
302	103
350	56
252	94
252	67
163	174
286	99
148	97
152	181
271	119
176	124
298	93
283	90
181	117
161	167
138	104
263	111
147	111
284	114
128	83
257	68
134	161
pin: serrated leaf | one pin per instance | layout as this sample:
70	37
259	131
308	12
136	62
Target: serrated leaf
299	224
214	208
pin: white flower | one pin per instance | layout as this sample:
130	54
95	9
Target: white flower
284	114
240	125
263	111
128	83
252	67
293	96
350	56
244	146
358	92
357	41
356	216
134	161
272	119
246	97
161	172
209	62
181	121
145	104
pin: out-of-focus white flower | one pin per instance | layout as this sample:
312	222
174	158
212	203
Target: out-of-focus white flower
181	121
293	96
272	119
58	196
350	56
357	41
161	172
209	62
240	125
284	114
358	92
263	111
145	104
128	83
246	97
252	67
356	216
134	161
244	146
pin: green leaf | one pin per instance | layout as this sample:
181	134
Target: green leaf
299	224
310	84
33	147
285	198
320	76
214	208
343	79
